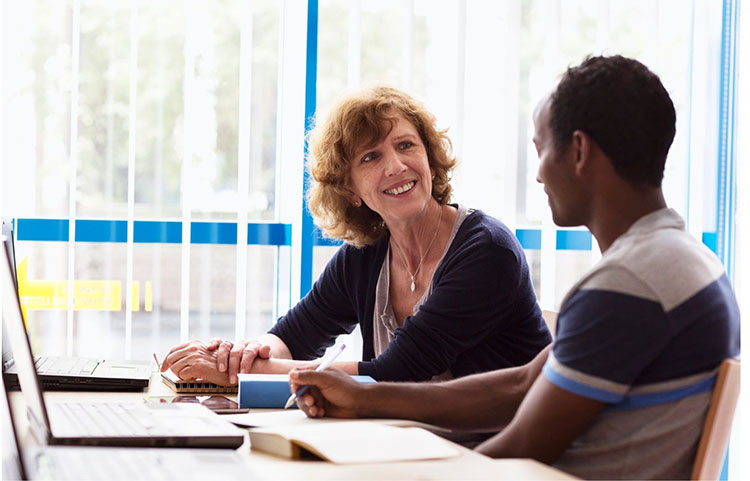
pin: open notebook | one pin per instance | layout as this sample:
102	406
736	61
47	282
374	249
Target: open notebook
195	387
352	442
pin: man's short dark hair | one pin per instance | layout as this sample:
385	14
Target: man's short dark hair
624	107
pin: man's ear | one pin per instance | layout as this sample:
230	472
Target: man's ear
582	146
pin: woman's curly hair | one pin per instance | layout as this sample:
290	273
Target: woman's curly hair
356	122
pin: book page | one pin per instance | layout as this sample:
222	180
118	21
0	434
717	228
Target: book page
286	417
364	442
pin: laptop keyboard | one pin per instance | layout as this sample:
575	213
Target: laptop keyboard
106	419
63	365
113	464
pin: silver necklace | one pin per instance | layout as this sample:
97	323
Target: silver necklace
419	266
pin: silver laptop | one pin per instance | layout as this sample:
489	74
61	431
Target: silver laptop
69	462
73	373
106	424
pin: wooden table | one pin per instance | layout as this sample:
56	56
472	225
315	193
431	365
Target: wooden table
468	465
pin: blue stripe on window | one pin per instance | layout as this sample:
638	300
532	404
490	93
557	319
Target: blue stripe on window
42	229
325	241
213	233
100	231
157	232
573	240
530	239
311	74
274	234
709	239
161	232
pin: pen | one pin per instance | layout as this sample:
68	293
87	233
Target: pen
158	364
321	367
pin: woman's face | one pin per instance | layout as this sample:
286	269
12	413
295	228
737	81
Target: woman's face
393	177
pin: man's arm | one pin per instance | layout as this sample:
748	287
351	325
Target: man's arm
547	422
480	402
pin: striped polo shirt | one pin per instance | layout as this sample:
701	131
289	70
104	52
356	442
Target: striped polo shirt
645	331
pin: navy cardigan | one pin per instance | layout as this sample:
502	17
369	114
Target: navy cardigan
482	313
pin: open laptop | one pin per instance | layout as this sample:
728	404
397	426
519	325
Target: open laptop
73	373
106	424
70	462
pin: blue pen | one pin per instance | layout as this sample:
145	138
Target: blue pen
323	365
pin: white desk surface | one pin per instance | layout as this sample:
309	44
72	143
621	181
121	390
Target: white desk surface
469	465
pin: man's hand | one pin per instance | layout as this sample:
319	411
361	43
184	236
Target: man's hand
234	358
193	360
332	393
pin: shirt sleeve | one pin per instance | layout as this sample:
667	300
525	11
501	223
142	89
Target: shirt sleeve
322	315
605	339
471	298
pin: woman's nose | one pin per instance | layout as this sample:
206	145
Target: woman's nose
393	163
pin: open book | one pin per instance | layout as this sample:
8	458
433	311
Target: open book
277	417
348	442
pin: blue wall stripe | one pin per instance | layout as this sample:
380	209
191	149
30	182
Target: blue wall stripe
163	232
311	74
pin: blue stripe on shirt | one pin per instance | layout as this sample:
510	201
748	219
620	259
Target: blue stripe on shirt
652	399
579	388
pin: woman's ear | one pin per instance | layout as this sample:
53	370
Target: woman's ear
354	199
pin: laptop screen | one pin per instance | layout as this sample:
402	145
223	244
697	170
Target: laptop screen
8	241
12	462
15	328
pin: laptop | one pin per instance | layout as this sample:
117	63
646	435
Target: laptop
105	423
70	462
73	373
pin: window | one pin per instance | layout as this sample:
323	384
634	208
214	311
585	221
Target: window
171	151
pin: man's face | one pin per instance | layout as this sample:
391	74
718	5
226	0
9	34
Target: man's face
557	172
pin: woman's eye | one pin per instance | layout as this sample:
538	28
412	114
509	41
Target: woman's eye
405	144
369	157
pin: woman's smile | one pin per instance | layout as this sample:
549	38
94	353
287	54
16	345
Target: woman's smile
401	189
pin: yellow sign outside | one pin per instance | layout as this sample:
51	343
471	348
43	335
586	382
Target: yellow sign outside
87	295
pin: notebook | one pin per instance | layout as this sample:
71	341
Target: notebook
194	387
270	390
110	424
71	373
351	442
70	462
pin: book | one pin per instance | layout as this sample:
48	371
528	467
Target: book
269	390
348	442
268	419
194	387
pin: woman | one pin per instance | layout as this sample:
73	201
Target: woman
438	290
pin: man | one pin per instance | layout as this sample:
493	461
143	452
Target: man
623	391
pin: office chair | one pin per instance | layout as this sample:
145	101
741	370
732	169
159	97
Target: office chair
713	443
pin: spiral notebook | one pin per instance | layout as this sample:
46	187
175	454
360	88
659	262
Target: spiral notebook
180	386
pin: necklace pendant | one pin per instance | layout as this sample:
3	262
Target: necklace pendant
413	286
